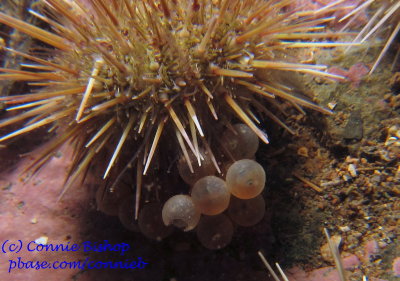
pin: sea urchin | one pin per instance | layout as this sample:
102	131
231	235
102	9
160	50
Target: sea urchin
140	82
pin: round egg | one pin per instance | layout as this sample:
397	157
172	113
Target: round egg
180	211
211	195
245	179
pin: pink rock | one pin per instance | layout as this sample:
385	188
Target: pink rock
296	274
30	210
351	262
396	267
370	248
322	274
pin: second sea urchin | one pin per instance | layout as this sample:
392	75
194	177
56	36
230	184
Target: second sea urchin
386	19
141	82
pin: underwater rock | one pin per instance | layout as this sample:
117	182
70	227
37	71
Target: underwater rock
354	127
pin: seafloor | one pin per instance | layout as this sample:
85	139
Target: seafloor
339	172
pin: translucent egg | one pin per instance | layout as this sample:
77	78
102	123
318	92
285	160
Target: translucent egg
245	179
108	200
211	195
151	223
207	167
126	214
215	232
247	212
180	211
241	143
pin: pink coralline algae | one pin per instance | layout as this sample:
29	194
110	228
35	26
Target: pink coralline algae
355	74
396	267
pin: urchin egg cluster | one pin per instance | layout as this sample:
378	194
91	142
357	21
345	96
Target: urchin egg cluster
140	83
210	208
